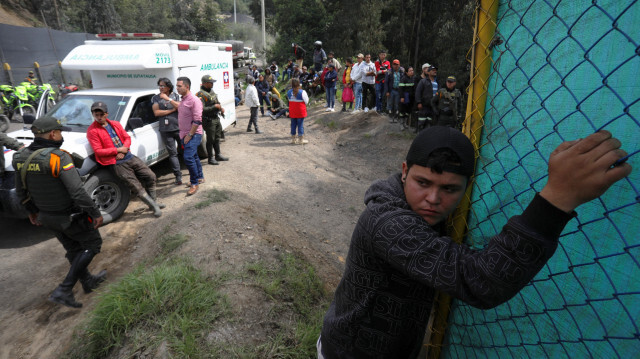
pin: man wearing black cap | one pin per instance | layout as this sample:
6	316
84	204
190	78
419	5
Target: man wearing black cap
446	105
111	143
399	255
211	111
52	191
425	90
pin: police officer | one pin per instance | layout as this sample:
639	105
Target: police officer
211	110
31	78
447	104
50	188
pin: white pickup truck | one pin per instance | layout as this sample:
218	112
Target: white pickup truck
124	75
130	107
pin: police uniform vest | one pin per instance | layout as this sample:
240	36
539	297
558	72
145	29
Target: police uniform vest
47	191
297	107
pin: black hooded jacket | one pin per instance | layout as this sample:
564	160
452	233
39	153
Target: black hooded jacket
397	262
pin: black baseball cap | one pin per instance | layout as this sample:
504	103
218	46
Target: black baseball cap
46	124
99	105
437	137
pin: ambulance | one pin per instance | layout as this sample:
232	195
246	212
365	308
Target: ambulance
124	70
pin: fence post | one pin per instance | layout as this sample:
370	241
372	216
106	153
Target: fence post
36	66
64	80
7	69
481	58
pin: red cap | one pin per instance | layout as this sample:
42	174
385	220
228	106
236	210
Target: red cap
396	62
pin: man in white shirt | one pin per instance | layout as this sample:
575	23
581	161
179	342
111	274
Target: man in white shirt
356	76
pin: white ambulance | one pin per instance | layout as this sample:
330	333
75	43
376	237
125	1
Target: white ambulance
124	70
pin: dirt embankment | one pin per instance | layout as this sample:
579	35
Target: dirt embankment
11	17
283	197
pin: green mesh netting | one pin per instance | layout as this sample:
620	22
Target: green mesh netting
564	70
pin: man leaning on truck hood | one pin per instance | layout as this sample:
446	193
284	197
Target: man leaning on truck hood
111	143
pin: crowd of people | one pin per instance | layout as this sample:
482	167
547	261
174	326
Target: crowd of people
409	97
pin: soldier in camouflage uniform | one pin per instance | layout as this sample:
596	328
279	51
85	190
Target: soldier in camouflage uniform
52	191
447	105
211	110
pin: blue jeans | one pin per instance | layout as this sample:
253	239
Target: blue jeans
297	123
263	99
393	101
191	159
357	93
285	74
379	94
331	96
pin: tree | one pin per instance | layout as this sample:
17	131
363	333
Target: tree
255	9
102	17
302	23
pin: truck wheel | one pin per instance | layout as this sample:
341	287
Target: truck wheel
109	194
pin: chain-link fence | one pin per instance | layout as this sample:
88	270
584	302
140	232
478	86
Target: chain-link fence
558	70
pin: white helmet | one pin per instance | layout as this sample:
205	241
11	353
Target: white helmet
318	43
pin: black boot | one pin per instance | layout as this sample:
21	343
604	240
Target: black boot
218	156
249	128
90	282
63	294
212	161
258	131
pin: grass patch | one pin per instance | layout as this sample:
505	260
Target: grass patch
170	242
212	196
367	135
172	303
332	125
294	287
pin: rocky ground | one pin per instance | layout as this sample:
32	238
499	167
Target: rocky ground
282	198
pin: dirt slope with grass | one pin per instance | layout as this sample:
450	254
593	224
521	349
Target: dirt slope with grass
280	198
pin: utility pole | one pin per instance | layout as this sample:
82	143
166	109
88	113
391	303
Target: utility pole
264	36
235	19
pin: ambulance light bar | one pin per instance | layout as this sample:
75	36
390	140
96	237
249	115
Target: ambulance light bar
130	35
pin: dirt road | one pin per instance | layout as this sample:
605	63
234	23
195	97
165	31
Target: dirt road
283	197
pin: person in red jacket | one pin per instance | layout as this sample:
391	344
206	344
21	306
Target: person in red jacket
110	143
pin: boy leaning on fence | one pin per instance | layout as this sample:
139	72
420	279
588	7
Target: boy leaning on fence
399	256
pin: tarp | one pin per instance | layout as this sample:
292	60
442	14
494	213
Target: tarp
21	46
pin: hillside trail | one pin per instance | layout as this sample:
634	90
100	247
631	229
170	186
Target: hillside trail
303	199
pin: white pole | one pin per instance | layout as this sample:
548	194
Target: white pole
264	36
235	19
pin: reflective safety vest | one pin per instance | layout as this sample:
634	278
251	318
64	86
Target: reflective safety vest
297	107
